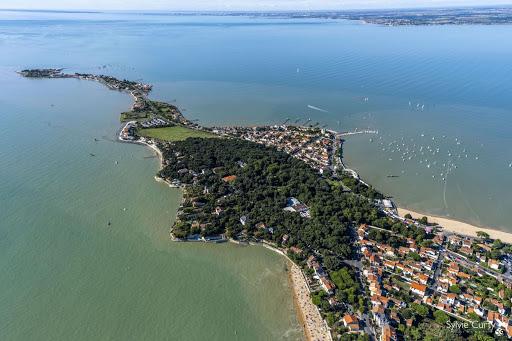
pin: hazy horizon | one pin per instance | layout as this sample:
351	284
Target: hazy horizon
240	5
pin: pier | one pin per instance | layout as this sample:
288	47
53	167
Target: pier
357	132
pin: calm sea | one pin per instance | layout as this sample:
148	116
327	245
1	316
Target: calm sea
440	98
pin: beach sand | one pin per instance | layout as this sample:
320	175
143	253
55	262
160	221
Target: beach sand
459	226
309	316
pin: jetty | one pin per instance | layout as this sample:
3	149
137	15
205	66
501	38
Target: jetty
357	132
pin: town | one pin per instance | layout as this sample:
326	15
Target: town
454	276
314	146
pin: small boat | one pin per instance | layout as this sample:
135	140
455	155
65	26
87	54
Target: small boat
393	176
91	154
109	223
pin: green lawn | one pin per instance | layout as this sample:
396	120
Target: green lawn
176	133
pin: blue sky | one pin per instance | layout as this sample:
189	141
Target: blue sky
237	4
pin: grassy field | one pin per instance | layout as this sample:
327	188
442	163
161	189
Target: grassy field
176	133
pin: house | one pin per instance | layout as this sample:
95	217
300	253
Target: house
327	285
416	267
479	311
428	265
501	308
243	220
333	301
477	300
388	333
295	250
311	262
454	240
467	242
453	268
438	239
418	289
292	202
466	250
485	247
229	178
463	275
423	279
389	264
403	250
450	298
378	300
442	287
429	252
493	264
285	238
351	322
387	204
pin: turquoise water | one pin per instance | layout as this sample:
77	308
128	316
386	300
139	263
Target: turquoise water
66	275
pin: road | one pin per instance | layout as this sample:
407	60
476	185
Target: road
472	265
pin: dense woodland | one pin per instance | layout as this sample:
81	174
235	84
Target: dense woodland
265	178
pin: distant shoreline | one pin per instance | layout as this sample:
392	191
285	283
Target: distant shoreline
459	227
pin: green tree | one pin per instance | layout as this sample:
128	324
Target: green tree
482	234
441	317
455	289
420	309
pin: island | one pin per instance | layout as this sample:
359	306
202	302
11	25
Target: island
359	270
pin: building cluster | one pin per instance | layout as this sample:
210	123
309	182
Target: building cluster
433	276
129	132
312	145
294	205
114	83
155	122
474	249
323	278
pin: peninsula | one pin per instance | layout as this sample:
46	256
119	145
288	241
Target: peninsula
360	270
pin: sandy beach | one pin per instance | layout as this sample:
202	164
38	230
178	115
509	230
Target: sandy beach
459	226
309	316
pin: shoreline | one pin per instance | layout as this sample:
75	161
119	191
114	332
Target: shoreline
308	315
459	227
154	148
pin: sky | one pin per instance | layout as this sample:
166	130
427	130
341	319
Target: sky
237	4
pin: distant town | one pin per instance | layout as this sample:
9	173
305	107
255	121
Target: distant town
394	17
